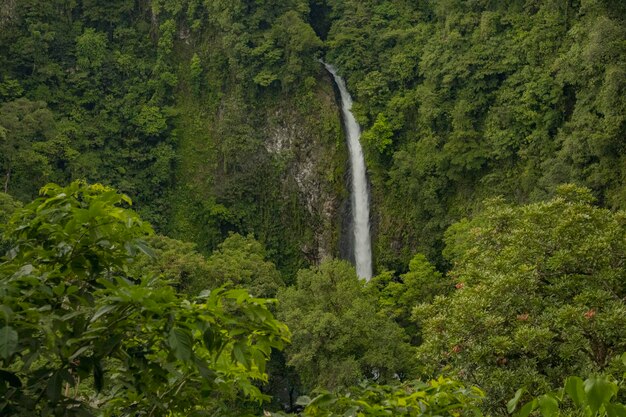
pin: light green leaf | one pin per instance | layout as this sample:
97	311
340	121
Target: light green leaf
548	405
351	412
574	387
527	409
324	400
23	271
145	248
303	400
512	404
599	391
102	311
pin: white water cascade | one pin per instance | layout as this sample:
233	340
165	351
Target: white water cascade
359	192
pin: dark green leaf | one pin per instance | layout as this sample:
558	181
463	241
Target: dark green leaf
180	342
10	378
98	375
6	312
79	352
204	370
239	352
105	348
209	339
53	389
8	342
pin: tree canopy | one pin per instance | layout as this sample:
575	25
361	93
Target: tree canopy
539	296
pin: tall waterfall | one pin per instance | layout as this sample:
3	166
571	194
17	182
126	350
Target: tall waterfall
359	192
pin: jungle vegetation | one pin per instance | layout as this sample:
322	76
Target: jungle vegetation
173	199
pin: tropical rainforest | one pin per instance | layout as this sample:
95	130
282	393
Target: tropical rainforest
175	208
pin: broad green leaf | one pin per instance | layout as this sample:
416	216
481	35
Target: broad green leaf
512	404
181	342
616	410
527	409
5	312
574	387
23	271
53	389
240	355
8	342
548	405
204	370
599	391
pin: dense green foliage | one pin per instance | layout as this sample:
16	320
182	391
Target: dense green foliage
460	101
338	337
216	117
596	396
540	295
78	333
441	397
162	99
469	99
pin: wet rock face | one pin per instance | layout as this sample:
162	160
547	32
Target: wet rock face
8	12
309	149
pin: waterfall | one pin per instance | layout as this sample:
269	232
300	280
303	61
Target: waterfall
359	192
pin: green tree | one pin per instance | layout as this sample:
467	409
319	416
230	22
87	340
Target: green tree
380	135
78	332
177	262
339	338
287	52
27	146
242	261
539	296
397	296
91	49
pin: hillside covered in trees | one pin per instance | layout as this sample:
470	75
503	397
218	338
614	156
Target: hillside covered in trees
193	258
